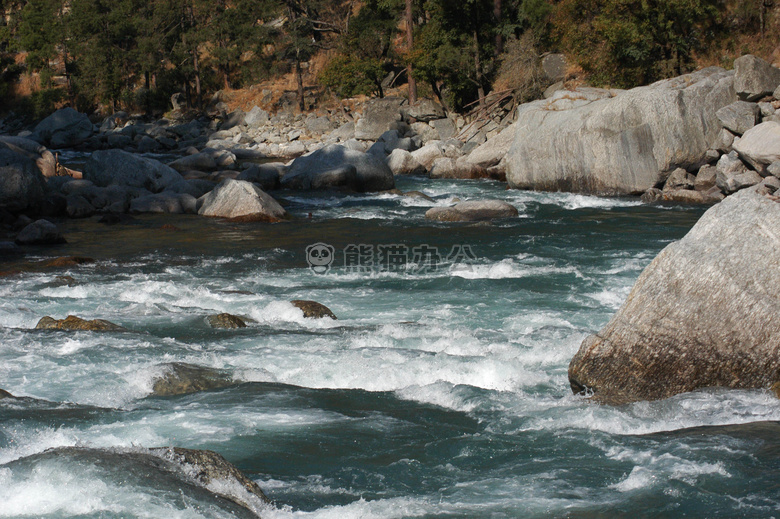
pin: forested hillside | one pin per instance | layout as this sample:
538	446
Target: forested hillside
134	54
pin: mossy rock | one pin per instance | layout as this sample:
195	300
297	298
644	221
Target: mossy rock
77	323
313	309
227	321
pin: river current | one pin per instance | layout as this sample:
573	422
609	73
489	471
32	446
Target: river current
440	391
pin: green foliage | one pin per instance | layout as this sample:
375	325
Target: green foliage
349	77
40	104
631	42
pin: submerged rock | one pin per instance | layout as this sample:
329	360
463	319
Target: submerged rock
702	314
68	261
472	211
187	479
313	309
5	394
212	470
227	321
180	378
77	323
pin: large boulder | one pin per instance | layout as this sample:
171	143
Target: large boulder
425	110
40	232
371	173
492	151
617	142
22	186
64	128
739	116
401	162
760	146
702	314
754	78
379	115
238	198
44	159
117	167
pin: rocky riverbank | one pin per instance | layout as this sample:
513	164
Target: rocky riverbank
692	139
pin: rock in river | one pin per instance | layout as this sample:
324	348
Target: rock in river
472	211
702	314
179	378
238	198
313	309
76	323
226	321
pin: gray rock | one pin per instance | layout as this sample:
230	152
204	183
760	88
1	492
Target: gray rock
256	118
425	132
702	314
766	109
614	143
43	158
267	175
371	173
739	116
445	128
199	162
428	154
494	150
679	179
165	202
683	196
318	125
200	186
760	146
705	178
75	186
22	185
344	133
728	168
117	167
147	144
754	78
64	128
401	162
379	115
40	232
454	168
652	196
79	207
237	198
723	141
477	210
774	168
425	110
554	67
114	121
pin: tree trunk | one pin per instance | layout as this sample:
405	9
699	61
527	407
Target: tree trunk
498	17
196	68
478	70
409	45
299	79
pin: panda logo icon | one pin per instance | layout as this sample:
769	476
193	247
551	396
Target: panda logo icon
320	257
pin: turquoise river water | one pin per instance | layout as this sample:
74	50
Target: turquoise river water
440	391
